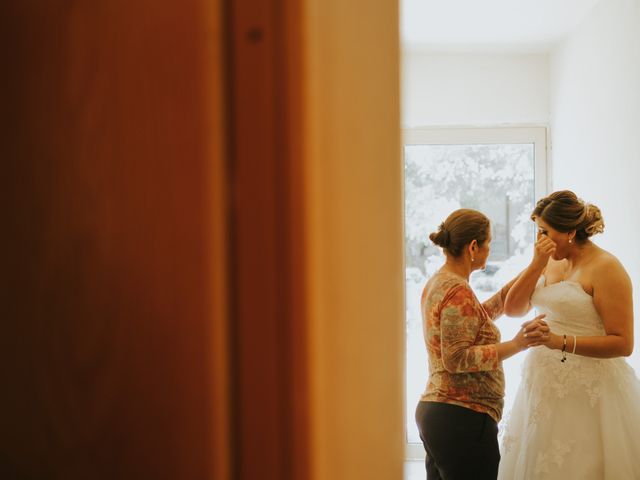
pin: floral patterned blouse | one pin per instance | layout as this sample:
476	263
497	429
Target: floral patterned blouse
461	343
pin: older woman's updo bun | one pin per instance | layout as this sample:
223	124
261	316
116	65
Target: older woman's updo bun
565	212
441	238
460	229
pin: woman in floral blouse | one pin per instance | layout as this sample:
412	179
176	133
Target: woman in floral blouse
458	413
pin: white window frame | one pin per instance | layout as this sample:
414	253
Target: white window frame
536	135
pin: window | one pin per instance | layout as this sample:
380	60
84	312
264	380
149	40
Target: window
499	171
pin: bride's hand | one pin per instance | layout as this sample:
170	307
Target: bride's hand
551	340
542	250
538	332
532	333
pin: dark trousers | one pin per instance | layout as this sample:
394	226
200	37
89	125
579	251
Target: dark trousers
461	444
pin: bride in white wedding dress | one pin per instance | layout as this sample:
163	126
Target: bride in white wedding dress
577	412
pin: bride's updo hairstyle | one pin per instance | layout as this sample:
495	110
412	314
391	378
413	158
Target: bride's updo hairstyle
459	229
565	212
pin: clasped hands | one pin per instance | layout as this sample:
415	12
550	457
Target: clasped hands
533	333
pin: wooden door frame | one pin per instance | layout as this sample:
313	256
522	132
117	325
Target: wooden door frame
267	325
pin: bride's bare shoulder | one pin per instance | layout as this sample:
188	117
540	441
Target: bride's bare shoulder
606	265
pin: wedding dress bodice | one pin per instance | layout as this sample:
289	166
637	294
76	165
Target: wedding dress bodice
570	310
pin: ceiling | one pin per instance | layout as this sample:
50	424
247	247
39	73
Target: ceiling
489	25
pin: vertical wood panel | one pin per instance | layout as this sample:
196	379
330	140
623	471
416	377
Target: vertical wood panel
106	288
214	54
268	304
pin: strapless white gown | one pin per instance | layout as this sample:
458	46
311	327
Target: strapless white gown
574	420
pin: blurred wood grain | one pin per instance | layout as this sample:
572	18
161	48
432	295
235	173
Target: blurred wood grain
108	134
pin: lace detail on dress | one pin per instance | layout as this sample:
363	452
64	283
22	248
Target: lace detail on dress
508	441
555	379
573	419
553	457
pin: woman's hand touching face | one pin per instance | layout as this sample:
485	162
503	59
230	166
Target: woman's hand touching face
543	249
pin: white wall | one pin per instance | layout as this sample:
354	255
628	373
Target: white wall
595	126
474	89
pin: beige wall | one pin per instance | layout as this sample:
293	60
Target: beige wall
354	176
479	89
595	106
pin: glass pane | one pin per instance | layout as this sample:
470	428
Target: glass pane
498	180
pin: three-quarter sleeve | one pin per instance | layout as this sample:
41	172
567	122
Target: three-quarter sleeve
460	323
494	306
